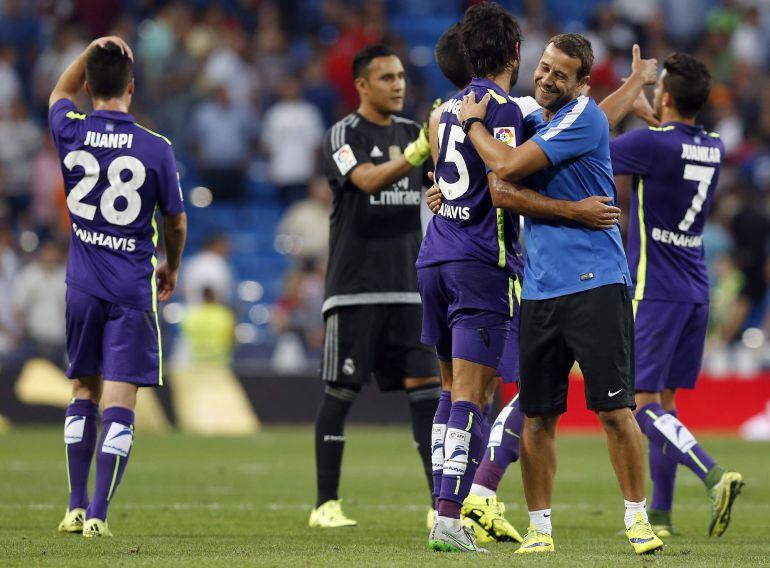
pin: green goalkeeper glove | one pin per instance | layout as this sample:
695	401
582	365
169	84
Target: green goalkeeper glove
418	150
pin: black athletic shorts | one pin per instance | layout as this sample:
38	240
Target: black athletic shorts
376	339
594	328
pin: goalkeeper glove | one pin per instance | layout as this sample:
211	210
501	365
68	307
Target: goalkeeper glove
418	150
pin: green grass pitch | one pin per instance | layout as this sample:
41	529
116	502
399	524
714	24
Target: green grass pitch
245	502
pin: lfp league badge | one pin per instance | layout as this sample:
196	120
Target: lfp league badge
506	135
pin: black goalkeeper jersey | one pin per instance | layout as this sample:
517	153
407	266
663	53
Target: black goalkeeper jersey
374	238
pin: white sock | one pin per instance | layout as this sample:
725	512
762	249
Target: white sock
632	508
541	519
482	491
451	522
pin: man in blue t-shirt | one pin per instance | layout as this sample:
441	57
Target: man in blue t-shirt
575	302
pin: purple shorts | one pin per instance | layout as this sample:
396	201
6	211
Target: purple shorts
115	341
669	344
467	311
509	361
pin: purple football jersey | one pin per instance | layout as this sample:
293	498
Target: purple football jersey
468	226
116	174
676	169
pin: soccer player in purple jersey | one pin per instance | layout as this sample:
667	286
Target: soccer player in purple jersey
675	168
117	174
481	509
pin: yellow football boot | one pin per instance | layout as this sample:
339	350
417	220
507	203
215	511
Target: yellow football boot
329	515
94	528
73	521
487	516
642	538
431	518
535	541
723	496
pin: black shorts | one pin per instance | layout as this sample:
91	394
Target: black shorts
594	328
376	339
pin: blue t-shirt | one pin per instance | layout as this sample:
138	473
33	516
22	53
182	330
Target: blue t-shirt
564	257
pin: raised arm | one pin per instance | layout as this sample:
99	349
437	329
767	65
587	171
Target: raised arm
620	102
74	76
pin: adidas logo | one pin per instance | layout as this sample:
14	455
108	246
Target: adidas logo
376	153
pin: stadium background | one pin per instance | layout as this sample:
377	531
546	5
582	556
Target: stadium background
245	89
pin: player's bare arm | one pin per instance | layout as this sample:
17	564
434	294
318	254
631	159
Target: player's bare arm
174	236
433	122
620	102
593	212
643	110
73	78
371	178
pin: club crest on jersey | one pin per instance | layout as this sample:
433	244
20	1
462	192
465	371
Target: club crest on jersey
345	159
506	135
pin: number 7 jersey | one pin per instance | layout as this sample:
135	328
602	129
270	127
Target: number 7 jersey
117	174
676	169
468	226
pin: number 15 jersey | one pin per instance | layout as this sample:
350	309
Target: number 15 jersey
116	175
676	169
468	226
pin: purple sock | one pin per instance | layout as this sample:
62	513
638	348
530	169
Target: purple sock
437	440
111	458
503	447
463	449
674	439
80	440
486	425
663	476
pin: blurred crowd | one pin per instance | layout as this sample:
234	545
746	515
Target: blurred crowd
246	89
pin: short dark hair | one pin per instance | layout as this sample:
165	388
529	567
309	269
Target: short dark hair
451	57
108	71
688	81
575	45
491	36
364	57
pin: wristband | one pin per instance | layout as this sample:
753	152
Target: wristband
467	123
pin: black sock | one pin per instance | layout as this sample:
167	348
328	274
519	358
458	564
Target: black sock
330	439
423	402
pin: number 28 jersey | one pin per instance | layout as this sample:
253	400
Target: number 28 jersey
116	175
468	226
676	169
